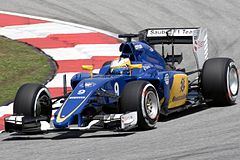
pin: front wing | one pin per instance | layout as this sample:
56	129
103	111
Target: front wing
35	125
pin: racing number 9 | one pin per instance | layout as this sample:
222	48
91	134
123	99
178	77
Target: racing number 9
116	88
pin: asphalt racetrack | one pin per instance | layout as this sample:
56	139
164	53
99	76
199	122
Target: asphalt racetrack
200	133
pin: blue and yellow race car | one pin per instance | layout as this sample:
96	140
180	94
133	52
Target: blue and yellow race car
132	90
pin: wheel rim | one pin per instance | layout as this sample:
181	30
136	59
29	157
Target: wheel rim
151	105
233	81
40	101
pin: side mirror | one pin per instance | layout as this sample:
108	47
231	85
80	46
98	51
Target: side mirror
134	66
89	68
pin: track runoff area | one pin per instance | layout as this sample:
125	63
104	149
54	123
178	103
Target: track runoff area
70	45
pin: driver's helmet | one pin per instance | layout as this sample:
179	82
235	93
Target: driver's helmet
120	66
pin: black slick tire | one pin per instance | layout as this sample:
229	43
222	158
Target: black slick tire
33	100
219	81
134	98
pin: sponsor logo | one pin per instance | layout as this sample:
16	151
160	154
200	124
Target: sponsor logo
178	98
170	32
89	84
81	91
78	97
151	49
81	85
198	44
166	79
127	119
138	46
182	85
146	67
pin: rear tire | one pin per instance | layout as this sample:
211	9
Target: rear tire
33	100
141	96
220	81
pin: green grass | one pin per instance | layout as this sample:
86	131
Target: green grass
19	64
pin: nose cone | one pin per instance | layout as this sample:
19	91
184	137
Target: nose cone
74	104
61	121
77	101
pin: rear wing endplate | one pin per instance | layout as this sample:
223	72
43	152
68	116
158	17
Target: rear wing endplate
196	36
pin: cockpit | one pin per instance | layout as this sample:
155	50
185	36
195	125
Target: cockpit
127	51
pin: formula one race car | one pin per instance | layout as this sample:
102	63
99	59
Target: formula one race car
132	90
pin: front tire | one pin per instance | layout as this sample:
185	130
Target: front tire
33	100
220	81
141	96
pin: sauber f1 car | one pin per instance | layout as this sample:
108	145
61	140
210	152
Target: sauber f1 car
132	90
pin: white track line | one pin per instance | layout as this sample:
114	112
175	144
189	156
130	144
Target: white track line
6	109
83	51
58	80
63	22
39	30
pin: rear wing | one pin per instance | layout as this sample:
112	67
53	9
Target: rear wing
196	36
